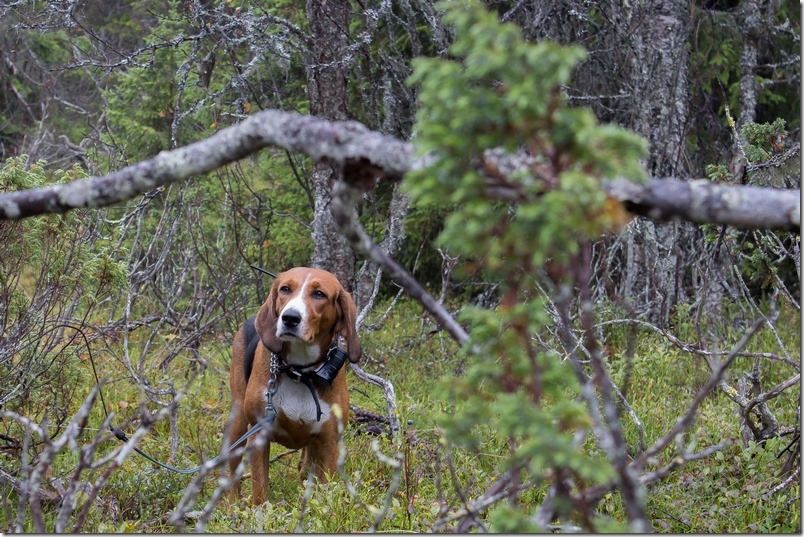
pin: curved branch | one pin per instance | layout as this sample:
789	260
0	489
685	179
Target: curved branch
344	200
339	142
367	154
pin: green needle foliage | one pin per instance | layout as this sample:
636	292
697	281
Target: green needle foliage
502	92
760	138
499	92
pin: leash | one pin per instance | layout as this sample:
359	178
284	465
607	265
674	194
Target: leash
292	372
267	421
269	273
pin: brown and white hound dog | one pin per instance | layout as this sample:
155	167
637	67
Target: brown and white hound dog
299	325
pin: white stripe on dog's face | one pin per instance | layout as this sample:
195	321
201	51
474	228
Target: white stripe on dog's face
307	310
299	352
296	304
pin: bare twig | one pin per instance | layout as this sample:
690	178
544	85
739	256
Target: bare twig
388	393
697	349
632	491
502	488
686	420
366	308
792	478
772	428
395	462
680	460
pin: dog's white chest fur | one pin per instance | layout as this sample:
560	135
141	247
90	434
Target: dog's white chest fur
296	402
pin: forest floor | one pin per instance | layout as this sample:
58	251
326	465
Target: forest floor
725	492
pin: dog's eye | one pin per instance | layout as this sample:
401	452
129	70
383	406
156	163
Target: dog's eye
285	290
318	294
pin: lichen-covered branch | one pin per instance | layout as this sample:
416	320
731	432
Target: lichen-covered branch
365	155
342	143
704	202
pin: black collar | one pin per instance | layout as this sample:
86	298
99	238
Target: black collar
308	376
299	372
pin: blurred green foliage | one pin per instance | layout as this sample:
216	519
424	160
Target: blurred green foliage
498	91
763	139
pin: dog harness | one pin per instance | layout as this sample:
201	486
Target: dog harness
324	374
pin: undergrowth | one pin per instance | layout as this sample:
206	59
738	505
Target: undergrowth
723	493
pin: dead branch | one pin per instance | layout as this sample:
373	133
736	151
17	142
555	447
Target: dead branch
344	200
696	349
388	392
364	155
702	202
686	420
792	478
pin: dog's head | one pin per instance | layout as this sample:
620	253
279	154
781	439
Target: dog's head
309	307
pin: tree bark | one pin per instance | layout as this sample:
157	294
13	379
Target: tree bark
368	156
661	98
750	15
327	86
749	19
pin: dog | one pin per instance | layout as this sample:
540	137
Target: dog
298	327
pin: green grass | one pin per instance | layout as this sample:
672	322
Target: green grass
723	493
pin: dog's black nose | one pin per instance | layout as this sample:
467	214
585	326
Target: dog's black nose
291	318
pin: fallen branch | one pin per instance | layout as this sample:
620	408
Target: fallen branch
703	202
364	155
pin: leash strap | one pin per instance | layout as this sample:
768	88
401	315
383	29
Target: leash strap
267	421
307	381
305	378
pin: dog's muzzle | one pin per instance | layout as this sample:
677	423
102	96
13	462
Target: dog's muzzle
290	323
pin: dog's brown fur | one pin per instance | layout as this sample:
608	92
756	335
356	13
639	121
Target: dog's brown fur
329	311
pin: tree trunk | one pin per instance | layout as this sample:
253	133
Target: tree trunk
661	100
326	85
393	124
749	19
661	95
750	15
391	243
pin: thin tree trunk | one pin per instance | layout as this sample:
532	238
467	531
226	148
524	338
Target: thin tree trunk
748	61
748	19
391	244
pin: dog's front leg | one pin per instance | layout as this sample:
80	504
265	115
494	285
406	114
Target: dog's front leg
259	474
323	455
239	427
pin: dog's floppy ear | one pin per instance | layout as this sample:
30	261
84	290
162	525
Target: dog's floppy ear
347	319
265	322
